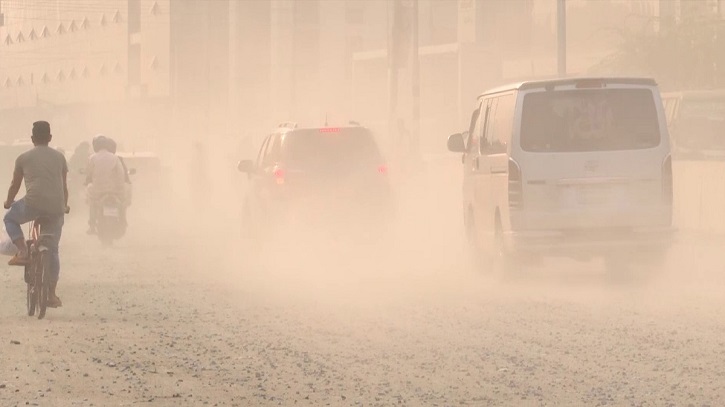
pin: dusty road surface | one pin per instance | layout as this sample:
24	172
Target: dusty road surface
170	319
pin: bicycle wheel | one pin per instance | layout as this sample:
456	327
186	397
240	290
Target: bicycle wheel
32	298
43	277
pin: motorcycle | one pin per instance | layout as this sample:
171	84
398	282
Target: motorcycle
111	220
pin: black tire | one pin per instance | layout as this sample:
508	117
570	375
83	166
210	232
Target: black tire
43	278
32	300
104	234
106	241
503	263
31	293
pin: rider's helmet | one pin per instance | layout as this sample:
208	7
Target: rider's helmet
111	145
100	142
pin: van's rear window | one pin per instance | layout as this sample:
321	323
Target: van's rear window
589	120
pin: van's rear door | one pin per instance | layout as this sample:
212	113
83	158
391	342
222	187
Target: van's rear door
594	157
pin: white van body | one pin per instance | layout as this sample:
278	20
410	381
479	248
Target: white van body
571	167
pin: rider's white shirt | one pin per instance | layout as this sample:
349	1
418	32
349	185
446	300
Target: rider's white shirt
106	173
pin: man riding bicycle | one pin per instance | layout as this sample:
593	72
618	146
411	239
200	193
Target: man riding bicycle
45	173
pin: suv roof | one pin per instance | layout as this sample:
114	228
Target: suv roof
291	127
567	82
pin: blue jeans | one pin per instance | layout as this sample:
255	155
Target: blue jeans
20	214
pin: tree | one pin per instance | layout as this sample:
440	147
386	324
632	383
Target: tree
689	55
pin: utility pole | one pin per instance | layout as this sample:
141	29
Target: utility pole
393	63
561	36
415	79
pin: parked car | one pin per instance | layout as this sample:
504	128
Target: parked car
578	168
317	178
696	120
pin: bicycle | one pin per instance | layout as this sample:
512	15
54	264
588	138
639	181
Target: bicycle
37	272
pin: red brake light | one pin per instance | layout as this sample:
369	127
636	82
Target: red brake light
383	169
330	130
279	176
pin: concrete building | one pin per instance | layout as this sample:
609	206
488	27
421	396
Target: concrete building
78	63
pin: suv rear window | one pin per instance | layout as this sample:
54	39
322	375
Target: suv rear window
330	148
589	120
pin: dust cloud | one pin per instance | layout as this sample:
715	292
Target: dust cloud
190	88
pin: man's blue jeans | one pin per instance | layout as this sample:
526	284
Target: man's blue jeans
20	214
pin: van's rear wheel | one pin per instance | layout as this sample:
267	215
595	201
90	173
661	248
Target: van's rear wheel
503	262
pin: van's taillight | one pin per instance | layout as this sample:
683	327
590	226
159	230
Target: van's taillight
278	176
383	169
516	193
667	188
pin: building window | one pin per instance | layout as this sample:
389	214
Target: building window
61	76
21	37
20	81
116	17
7	83
72	74
103	70
45	33
117	69
85	24
33	35
85	72
154	9
73	27
61	29
45	78
8	40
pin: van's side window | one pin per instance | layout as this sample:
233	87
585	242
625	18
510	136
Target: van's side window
503	126
489	136
483	124
475	133
472	128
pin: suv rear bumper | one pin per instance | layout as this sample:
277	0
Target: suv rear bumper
590	243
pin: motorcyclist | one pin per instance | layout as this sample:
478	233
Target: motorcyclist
104	176
113	147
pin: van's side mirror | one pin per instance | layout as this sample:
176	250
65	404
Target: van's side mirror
246	166
456	144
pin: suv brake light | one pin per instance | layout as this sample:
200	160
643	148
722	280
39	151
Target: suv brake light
278	176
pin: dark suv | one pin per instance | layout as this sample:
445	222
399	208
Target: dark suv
328	177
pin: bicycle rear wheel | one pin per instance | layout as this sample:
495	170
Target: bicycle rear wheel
43	282
32	293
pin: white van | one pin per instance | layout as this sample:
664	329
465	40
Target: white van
577	168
